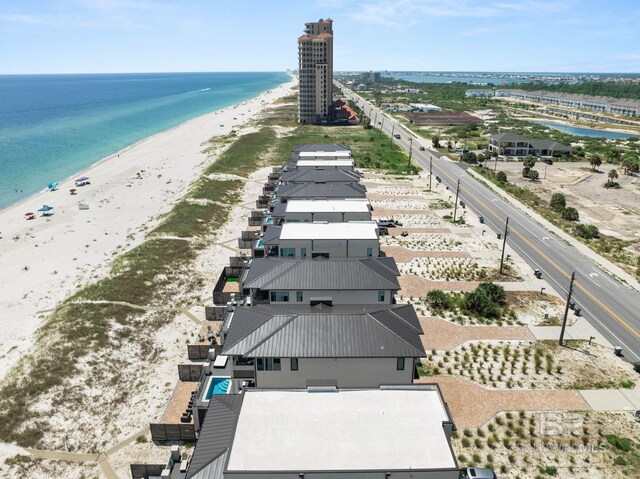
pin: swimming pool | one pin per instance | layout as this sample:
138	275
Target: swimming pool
217	386
260	243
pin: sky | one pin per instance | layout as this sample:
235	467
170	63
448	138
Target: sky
109	36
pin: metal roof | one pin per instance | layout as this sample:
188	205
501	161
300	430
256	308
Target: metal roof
272	234
321	190
319	175
322	274
538	143
325	332
216	435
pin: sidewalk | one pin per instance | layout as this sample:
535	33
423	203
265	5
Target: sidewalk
581	329
613	399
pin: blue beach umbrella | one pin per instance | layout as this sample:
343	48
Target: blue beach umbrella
54	185
45	208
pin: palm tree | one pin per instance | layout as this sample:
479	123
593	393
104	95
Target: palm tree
595	161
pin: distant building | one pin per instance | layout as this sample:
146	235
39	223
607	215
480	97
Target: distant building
425	107
370	77
342	112
512	144
442	118
315	60
603	104
479	93
361	87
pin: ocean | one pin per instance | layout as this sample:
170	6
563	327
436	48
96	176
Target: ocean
53	126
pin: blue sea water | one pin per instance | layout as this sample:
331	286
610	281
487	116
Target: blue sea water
53	126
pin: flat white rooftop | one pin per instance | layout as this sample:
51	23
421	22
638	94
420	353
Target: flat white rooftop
325	162
323	231
367	429
355	205
333	153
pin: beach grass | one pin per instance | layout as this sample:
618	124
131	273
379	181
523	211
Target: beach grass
144	276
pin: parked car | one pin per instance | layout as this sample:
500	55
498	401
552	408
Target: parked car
548	161
422	148
390	223
477	473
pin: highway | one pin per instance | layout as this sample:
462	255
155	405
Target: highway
610	306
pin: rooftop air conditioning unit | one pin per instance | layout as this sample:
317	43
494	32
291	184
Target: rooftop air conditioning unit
212	354
229	306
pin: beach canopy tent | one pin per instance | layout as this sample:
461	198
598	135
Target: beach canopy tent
54	185
30	215
45	209
83	180
73	191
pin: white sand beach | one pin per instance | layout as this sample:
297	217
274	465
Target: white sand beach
43	261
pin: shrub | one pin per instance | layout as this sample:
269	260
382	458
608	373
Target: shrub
549	470
494	291
469	157
501	177
437	299
620	443
533	175
478	302
620	461
571	214
587	231
558	202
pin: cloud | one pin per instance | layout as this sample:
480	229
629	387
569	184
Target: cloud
630	56
402	12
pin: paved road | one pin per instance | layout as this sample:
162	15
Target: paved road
611	307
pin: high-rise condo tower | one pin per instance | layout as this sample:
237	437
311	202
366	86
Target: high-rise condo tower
315	67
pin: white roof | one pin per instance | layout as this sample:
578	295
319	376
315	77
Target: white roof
354	205
325	162
332	153
365	429
323	231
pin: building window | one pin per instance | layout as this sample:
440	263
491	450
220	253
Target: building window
299	296
400	364
369	252
381	296
279	296
288	252
303	251
268	364
294	364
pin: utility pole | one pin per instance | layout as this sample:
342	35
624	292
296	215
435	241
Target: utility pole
504	242
430	170
374	120
566	308
495	169
393	127
382	125
410	152
455	208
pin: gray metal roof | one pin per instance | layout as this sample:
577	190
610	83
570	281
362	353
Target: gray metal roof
216	435
327	332
321	190
279	209
320	147
272	234
329	175
323	274
538	143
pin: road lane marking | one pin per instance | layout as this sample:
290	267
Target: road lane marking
555	265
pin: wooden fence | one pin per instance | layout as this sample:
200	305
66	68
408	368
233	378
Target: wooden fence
172	432
190	372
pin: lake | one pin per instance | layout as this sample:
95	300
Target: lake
590	132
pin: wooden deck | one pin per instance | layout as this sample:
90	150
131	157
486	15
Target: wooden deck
178	403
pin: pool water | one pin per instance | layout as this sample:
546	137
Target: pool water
217	386
260	244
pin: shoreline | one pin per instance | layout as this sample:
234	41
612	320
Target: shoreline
84	171
43	261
